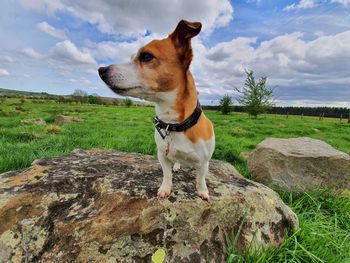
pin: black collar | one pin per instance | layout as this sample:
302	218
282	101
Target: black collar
178	127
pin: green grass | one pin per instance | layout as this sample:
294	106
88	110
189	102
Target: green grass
323	236
324	217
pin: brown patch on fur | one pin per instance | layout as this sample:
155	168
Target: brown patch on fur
164	72
202	130
186	102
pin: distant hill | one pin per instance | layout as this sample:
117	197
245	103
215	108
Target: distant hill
19	93
44	95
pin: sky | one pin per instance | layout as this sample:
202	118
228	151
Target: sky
301	46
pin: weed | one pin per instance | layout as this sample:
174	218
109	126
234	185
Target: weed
53	129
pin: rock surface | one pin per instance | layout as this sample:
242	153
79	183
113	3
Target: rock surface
100	206
60	119
299	164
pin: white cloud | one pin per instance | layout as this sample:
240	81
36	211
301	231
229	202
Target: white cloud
319	33
47	6
343	2
31	53
68	53
81	80
303	4
130	19
300	69
64	52
254	1
6	59
52	31
3	72
117	51
306	4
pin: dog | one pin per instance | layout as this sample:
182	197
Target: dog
160	72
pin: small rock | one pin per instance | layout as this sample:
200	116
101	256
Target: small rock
60	119
299	164
37	121
279	124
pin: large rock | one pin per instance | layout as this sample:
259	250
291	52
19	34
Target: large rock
100	206
299	164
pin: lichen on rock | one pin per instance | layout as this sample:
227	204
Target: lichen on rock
101	206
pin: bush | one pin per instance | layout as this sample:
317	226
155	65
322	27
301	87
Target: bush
226	104
128	102
53	129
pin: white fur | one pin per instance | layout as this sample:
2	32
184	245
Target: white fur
177	148
125	76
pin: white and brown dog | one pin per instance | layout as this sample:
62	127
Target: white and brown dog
159	72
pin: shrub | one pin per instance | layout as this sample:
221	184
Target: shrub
128	102
53	129
226	104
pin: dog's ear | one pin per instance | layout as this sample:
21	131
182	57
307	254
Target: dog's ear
181	38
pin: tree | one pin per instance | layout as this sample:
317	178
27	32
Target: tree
226	104
92	99
79	96
256	97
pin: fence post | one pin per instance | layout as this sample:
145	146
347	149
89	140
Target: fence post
287	115
341	117
302	115
349	118
320	117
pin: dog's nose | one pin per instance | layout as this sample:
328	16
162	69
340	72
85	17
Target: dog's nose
102	70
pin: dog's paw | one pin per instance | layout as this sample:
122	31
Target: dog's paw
164	191
204	195
176	167
202	192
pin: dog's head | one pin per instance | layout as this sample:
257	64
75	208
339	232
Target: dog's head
158	67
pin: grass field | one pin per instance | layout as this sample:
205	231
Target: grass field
324	217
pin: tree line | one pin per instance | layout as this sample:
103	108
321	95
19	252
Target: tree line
330	112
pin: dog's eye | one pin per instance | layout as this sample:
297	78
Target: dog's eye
145	57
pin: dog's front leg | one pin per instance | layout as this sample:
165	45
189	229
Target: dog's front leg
201	186
165	189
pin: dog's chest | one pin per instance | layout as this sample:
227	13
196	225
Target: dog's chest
178	148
